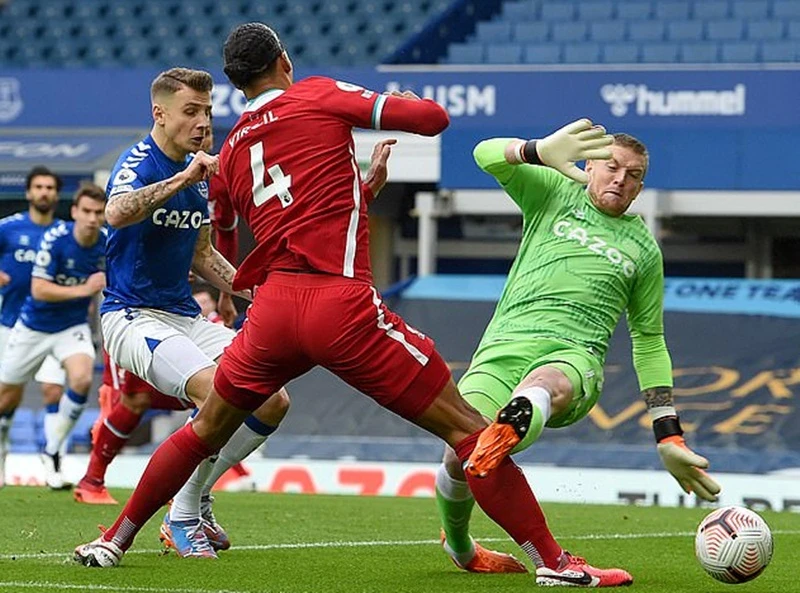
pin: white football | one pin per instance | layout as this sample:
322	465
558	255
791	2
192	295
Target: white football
733	544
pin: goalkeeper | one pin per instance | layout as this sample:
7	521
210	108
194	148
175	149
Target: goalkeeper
582	261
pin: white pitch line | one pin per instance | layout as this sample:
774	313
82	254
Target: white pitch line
384	543
90	587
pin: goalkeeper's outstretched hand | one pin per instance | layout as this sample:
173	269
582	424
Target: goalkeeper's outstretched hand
578	141
687	467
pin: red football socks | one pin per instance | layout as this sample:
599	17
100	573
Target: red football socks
169	468
505	495
111	437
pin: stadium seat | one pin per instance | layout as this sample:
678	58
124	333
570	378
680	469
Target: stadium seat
54	10
530	32
672	11
515	12
465	53
646	31
620	53
739	52
595	11
582	53
750	9
613	31
786	9
135	51
542	53
710	9
503	53
634	11
659	53
685	31
568	32
493	32
793	32
780	51
562	11
769	30
728	30
699	53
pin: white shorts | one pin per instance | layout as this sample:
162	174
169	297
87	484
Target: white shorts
27	350
132	337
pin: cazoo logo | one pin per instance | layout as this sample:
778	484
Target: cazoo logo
638	99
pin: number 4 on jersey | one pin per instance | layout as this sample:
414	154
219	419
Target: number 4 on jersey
280	183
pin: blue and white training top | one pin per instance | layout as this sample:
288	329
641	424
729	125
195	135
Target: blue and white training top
61	259
19	242
149	262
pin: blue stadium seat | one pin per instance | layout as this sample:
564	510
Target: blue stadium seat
613	31
582	53
685	31
769	30
503	53
786	9
659	53
119	11
595	11
90	30
646	31
58	30
562	11
780	51
23	432
208	53
710	9
699	53
128	30
134	52
621	53
750	9
531	32
542	53
81	434
514	12
465	53
728	30
54	10
793	32
568	32
634	11
739	52
672	11
87	10
493	32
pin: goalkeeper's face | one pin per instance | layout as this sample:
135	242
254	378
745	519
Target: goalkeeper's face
614	184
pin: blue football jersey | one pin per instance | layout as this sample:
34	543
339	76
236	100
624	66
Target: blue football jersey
149	262
61	259
19	242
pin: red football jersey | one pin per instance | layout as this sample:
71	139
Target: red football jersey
290	168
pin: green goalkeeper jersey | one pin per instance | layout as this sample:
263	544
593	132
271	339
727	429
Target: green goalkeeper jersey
578	269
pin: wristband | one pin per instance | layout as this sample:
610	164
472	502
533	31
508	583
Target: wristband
529	153
668	426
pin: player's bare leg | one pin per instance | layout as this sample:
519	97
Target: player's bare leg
10	398
546	391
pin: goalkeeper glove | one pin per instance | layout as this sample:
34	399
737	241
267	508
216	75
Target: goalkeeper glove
578	141
685	465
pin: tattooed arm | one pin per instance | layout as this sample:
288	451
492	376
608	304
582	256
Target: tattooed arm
212	267
125	209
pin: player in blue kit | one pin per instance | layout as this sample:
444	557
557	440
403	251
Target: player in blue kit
160	231
20	235
68	271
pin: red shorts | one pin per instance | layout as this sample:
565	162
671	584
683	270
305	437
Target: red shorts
299	321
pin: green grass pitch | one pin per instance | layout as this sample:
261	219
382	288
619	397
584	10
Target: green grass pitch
341	544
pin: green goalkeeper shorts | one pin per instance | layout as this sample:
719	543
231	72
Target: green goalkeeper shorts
499	367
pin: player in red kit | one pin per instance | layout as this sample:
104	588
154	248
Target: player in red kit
291	173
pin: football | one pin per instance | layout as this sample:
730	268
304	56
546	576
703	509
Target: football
733	544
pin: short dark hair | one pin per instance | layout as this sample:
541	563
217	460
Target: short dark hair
250	50
89	190
635	145
172	80
42	171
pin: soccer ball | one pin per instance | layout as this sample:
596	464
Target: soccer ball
733	544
